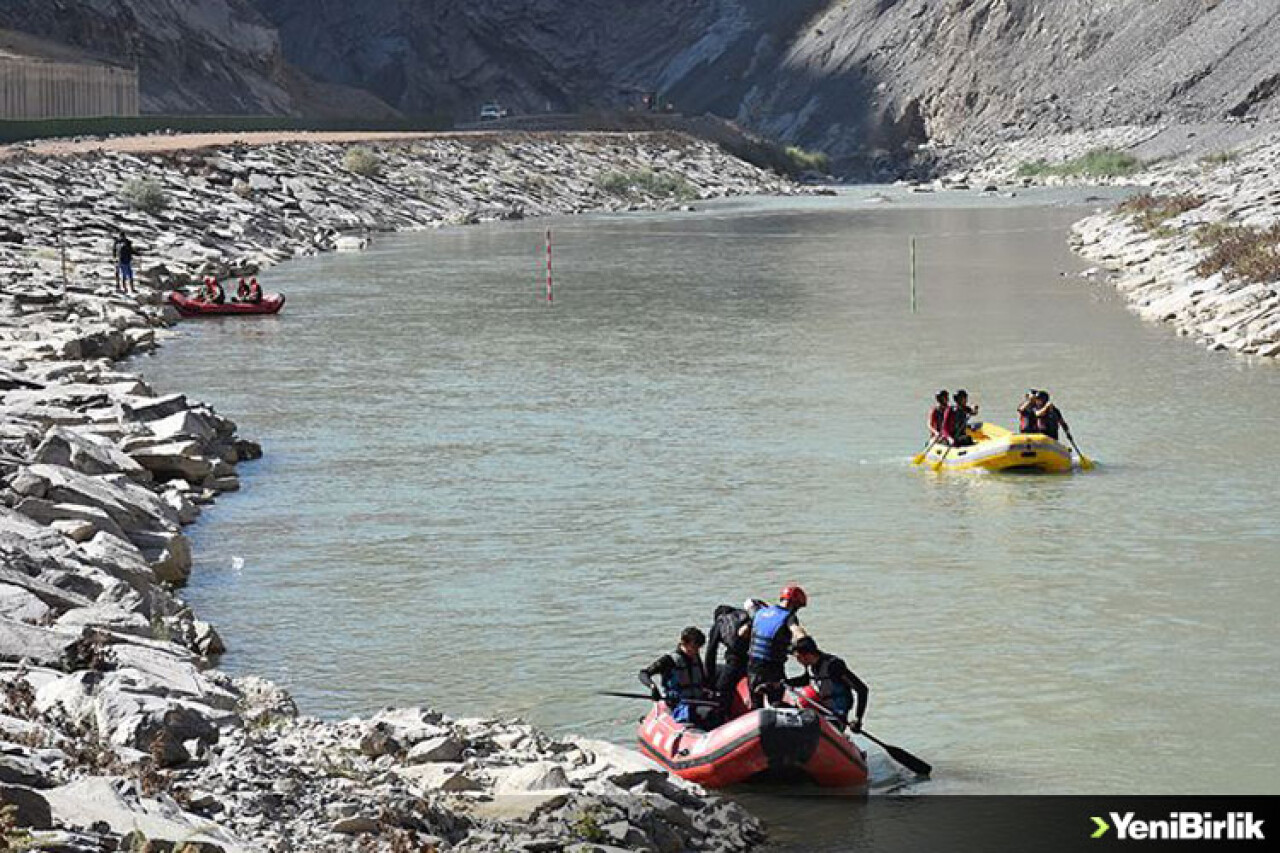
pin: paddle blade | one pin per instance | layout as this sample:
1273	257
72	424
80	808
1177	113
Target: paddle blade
916	765
1086	464
620	695
918	458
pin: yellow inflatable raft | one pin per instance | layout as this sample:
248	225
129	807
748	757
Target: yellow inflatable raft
995	448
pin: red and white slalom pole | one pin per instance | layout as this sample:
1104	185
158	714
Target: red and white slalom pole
549	294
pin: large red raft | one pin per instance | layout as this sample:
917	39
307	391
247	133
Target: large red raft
771	744
271	303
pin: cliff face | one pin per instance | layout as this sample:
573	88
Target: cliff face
865	80
865	77
453	55
862	79
197	56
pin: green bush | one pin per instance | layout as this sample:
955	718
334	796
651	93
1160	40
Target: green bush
642	183
361	161
587	826
145	194
1098	163
1239	252
807	161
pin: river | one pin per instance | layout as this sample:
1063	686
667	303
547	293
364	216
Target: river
476	500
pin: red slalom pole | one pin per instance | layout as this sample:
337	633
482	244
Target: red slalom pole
549	294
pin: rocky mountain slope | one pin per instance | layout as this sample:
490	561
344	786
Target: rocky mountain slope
862	79
868	81
208	56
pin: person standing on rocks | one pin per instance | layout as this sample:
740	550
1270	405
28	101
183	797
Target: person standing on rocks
122	252
684	679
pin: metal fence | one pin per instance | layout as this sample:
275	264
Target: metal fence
34	89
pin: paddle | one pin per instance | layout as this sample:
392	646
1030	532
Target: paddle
1086	464
916	765
936	465
645	696
919	457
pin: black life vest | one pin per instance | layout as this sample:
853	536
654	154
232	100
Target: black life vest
686	680
832	691
1049	423
729	627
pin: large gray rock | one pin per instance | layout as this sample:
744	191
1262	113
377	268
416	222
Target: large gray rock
147	409
174	460
184	424
18	605
536	776
99	799
47	512
110	617
167	552
50	595
436	749
86	453
131	506
32	807
40	646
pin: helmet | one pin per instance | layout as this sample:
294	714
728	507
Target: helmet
960	393
793	595
805	645
1042	395
751	605
941	395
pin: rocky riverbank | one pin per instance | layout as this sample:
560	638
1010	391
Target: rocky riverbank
116	731
1197	246
1201	251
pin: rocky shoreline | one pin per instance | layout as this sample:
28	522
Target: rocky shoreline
1196	253
116	730
1199	247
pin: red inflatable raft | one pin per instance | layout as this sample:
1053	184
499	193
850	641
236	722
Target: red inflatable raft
271	303
770	744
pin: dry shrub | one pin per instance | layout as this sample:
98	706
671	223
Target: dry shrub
1239	252
145	194
1150	212
362	161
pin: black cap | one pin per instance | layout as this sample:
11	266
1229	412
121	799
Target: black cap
961	393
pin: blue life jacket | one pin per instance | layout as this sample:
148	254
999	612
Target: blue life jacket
770	635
